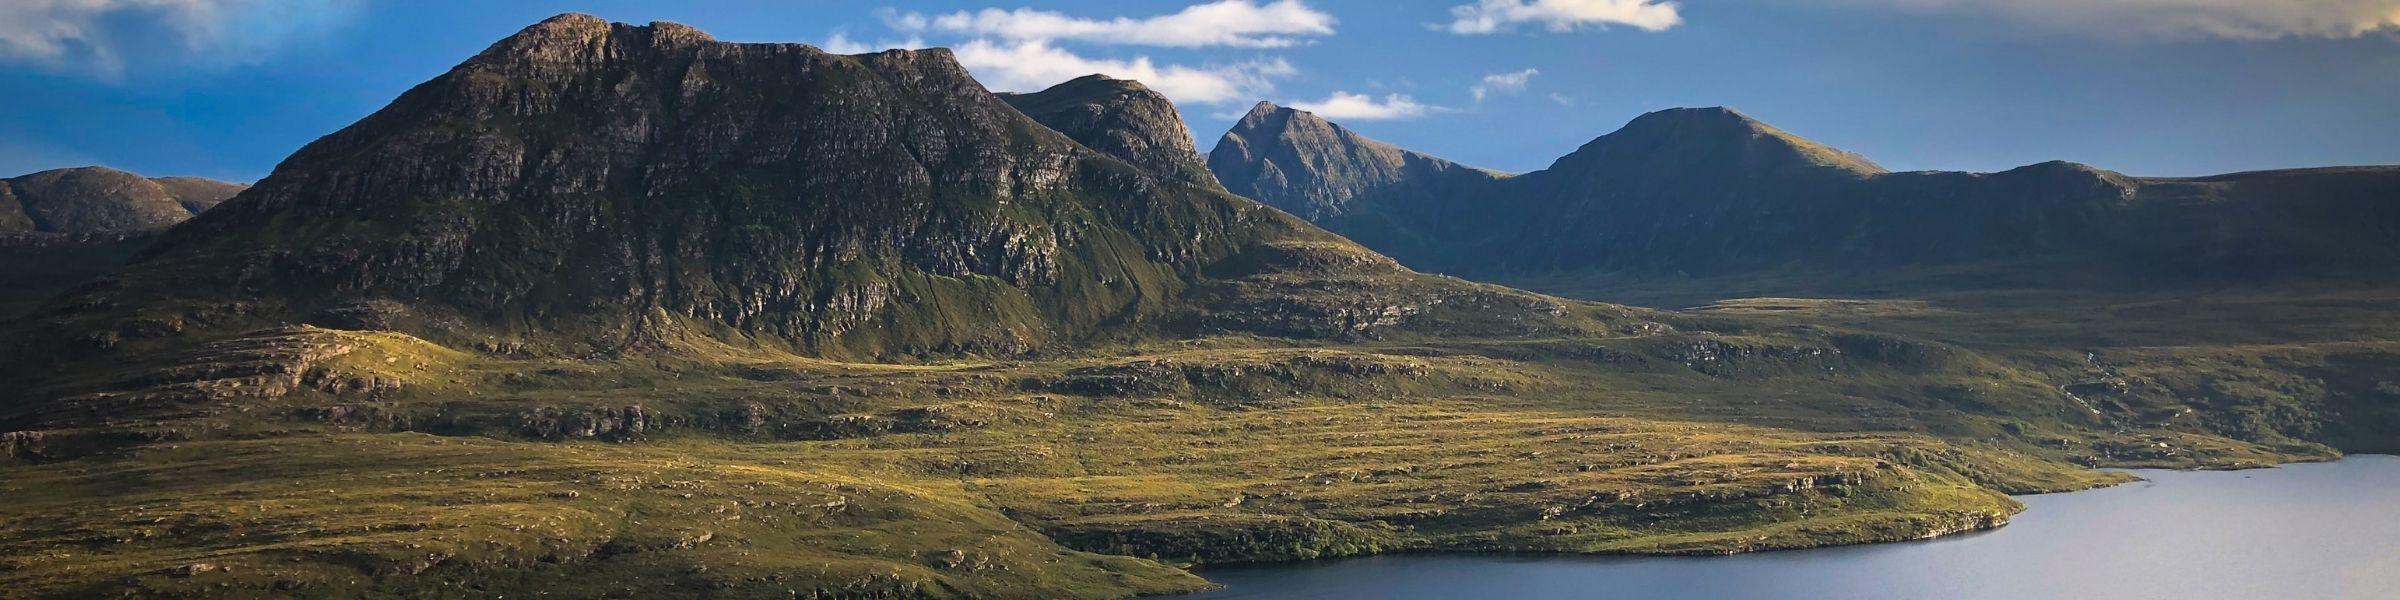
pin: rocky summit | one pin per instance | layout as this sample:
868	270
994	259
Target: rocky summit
89	200
1709	192
1370	191
1120	118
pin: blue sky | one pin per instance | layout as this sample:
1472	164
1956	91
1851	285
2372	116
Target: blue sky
226	88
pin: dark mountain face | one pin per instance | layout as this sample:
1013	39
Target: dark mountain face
632	184
1709	192
586	187
1120	118
104	200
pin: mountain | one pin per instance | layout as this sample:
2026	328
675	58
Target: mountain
611	310
1369	191
100	200
1712	193
581	187
1121	118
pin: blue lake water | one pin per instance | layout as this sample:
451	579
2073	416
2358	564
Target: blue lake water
2326	531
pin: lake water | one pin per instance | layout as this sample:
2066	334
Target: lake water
2326	531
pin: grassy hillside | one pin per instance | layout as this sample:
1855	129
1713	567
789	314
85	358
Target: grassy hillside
343	463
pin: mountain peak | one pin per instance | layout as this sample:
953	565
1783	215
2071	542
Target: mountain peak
1262	110
1120	118
578	37
589	187
1715	139
1299	162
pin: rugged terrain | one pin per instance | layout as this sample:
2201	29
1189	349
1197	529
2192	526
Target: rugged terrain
624	311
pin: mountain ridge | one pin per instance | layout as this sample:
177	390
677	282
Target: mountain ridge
95	200
1711	192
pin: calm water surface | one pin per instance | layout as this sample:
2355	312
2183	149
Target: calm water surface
2318	531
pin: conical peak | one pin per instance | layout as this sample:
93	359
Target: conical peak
1714	135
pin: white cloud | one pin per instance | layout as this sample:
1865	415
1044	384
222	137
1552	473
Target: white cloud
1562	99
1362	107
841	43
902	21
1492	16
1035	64
2235	19
1237	23
1504	83
101	37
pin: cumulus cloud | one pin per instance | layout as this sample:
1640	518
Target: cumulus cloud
1362	107
1502	83
841	43
1026	49
1235	23
1493	16
2235	19
101	38
1035	64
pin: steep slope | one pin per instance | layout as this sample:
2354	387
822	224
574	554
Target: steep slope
1709	192
101	200
582	187
1390	199
1120	118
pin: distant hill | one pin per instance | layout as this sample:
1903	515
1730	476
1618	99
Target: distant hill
1709	192
101	200
1372	192
61	227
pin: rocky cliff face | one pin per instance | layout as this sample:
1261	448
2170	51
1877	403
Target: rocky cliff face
1120	118
104	200
1709	191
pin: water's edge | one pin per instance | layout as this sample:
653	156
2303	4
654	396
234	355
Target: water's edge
2163	490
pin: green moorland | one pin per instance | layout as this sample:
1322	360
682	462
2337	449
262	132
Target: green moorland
373	464
2270	363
